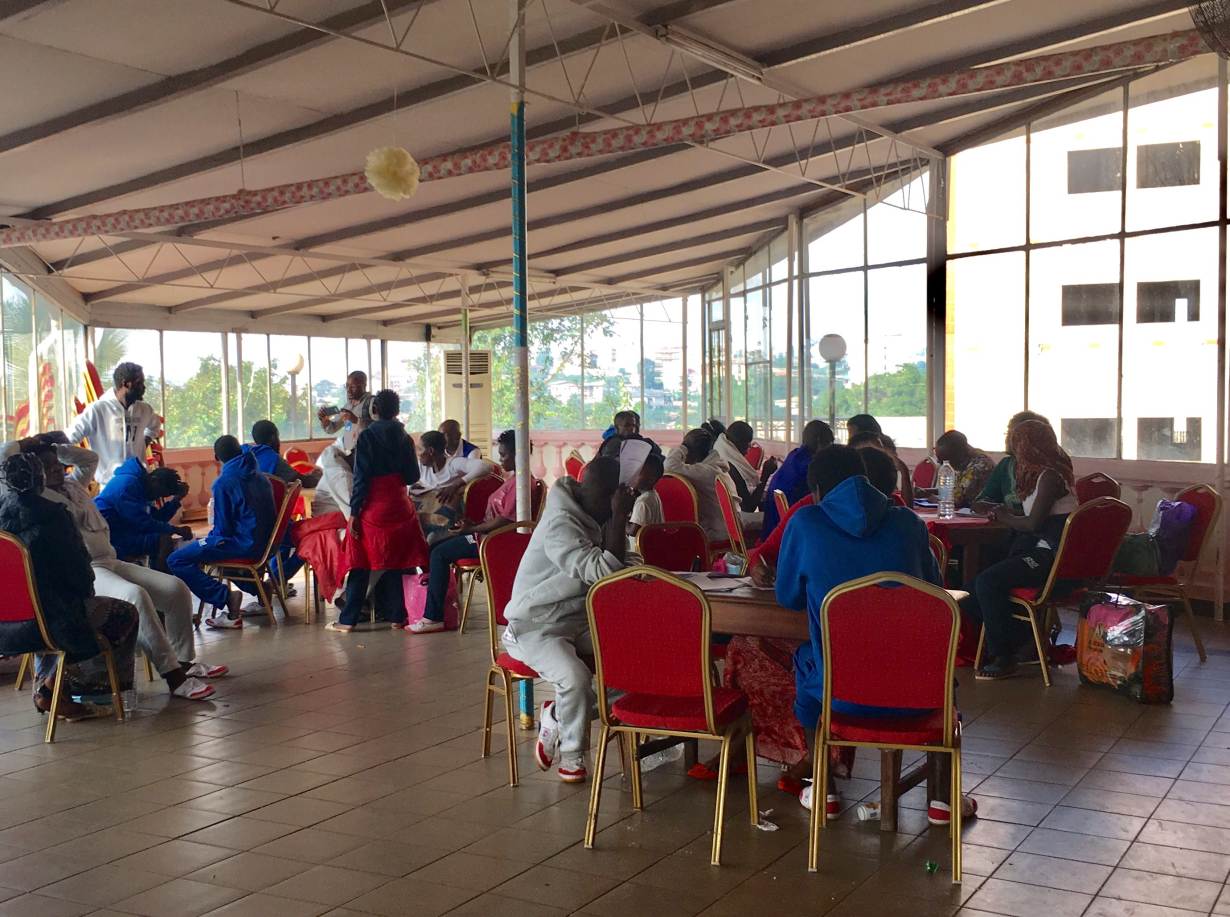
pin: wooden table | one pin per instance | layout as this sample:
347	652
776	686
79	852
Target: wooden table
969	533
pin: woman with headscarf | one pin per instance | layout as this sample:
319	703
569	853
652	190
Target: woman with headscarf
1046	484
64	581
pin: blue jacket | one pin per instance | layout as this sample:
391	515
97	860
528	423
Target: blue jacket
132	518
854	531
243	509
790	479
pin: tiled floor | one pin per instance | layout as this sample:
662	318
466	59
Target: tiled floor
340	775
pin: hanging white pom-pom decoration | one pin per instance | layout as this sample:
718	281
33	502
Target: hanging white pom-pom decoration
393	172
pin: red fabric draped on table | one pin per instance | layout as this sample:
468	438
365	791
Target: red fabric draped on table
320	541
390	537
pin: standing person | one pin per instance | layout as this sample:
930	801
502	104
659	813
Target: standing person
244	516
358	407
169	646
384	530
463	543
791	477
336	479
1001	486
695	461
64	582
454	445
580	539
1044	475
138	528
119	425
973	466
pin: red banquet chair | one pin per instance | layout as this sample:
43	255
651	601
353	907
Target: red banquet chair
651	641
21	606
1173	588
1096	485
301	462
255	570
474	510
500	554
940	552
783	503
924	473
913	670
730	515
754	455
574	465
679	503
1091	537
673	546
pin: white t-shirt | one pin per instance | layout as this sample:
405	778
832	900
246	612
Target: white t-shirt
470	467
647	510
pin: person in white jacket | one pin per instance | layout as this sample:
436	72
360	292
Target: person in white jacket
696	462
579	540
336	481
170	647
447	476
119	425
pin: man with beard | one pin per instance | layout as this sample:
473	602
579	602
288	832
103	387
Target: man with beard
119	425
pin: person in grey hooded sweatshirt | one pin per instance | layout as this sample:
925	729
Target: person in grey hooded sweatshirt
579	540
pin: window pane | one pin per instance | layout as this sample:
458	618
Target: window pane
1170	361
1090	303
50	360
664	365
985	373
759	379
1074	196
113	346
612	365
74	361
255	382
233	426
986	196
408	376
836	305
193	380
18	357
1060	353
836	239
897	226
375	380
694	355
778	251
782	408
897	352
328	376
288	376
357	358
738	358
1172	146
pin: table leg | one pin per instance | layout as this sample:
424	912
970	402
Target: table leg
970	566
890	773
527	703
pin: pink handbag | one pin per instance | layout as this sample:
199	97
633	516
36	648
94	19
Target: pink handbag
415	588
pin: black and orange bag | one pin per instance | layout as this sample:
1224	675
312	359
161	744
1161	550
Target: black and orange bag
1125	645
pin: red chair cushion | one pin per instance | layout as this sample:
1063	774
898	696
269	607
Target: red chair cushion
1126	579
516	666
682	713
468	563
925	729
1028	593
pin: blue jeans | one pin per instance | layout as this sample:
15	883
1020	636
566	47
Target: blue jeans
186	563
443	554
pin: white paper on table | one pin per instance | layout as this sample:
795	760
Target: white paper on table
707	582
632	455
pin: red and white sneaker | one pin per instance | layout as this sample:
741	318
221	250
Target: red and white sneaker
572	769
547	745
224	622
832	803
939	813
194	689
205	670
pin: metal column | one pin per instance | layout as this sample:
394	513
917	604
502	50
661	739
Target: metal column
937	299
465	357
1223	125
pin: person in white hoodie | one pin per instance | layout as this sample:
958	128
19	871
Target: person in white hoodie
696	462
119	425
579	540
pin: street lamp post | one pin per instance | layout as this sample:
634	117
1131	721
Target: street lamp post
832	349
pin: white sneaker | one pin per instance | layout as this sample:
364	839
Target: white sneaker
253	607
200	669
425	626
547	745
224	621
832	802
194	689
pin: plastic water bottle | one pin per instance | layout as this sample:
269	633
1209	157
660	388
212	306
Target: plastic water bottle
868	811
946	481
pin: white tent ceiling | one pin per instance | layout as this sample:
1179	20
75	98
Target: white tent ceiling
112	104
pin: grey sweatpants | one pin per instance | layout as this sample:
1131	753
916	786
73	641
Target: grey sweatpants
152	592
554	650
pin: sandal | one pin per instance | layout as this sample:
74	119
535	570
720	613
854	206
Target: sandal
702	771
70	710
339	628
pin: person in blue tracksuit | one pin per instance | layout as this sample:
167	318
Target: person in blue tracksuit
243	519
138	528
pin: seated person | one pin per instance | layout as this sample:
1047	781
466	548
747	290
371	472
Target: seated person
626	426
454	445
905	478
384	530
579	540
791	477
244	516
138	529
64	581
1001	486
446	476
696	462
170	646
973	467
731	444
647	510
861	423
501	510
1044	474
852	531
